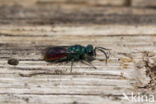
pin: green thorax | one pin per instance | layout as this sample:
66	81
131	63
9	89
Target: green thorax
77	52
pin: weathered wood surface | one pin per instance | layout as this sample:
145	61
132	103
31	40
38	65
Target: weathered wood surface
26	32
18	2
88	2
144	3
27	3
75	2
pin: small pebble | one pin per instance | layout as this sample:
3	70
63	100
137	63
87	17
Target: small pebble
13	62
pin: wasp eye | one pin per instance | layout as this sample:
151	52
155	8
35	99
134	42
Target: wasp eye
90	53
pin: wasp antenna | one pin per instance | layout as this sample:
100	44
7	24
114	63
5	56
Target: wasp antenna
102	48
103	52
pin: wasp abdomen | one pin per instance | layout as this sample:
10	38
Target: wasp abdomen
56	54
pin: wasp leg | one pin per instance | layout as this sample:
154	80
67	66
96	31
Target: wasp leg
72	62
88	63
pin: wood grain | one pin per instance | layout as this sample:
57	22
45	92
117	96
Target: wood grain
25	33
18	2
86	2
144	3
67	2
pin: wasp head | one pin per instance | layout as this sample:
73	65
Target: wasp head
90	50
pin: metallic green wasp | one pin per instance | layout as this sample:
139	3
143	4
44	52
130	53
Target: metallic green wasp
74	53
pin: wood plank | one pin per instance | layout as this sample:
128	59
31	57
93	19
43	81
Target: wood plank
26	33
144	3
65	2
17	2
86	2
98	15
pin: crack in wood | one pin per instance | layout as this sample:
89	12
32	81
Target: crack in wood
74	94
60	72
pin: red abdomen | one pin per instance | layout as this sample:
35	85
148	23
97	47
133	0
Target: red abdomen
56	54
